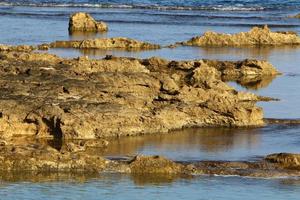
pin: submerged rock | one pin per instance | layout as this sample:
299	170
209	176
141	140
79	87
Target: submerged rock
275	165
255	37
154	165
105	43
42	158
285	160
85	23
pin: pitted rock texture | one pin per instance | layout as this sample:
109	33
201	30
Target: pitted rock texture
43	95
20	48
104	43
255	37
84	22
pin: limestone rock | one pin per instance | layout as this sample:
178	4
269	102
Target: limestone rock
85	23
255	37
154	164
105	43
51	97
20	48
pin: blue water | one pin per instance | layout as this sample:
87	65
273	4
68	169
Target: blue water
211	143
166	22
167	4
126	187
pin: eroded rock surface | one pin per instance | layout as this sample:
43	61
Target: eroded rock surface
104	43
86	23
255	37
20	48
53	111
47	96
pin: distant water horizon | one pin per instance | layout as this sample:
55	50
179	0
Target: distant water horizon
225	5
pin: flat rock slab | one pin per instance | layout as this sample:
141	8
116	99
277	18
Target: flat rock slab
102	43
255	37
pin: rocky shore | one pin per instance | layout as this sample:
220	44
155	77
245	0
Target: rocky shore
56	113
44	95
255	37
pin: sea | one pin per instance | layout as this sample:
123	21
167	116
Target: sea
166	22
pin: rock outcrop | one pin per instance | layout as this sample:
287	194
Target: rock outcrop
47	96
85	23
55	111
104	43
255	37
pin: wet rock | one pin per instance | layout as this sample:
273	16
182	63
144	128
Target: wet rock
86	23
105	43
255	37
154	165
285	160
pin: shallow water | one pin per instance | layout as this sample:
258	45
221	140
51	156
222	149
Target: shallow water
211	143
127	187
158	24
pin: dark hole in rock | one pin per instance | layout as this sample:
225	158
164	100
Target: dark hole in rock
55	131
65	90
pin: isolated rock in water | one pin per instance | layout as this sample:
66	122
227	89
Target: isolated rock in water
255	37
105	43
84	22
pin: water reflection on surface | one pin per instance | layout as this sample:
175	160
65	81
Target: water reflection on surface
116	186
211	143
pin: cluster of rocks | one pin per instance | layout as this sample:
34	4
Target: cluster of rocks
56	113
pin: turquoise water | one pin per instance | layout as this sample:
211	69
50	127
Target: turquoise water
166	22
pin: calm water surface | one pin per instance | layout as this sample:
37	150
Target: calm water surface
126	187
167	22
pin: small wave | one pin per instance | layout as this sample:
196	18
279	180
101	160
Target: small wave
128	6
258	177
35	14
